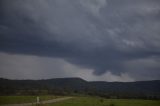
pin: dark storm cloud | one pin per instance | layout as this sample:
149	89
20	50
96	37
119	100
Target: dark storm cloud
103	35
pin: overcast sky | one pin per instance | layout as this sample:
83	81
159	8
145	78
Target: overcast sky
105	40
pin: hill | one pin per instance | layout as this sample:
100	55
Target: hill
68	86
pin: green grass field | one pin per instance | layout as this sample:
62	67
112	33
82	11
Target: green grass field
95	101
23	99
79	101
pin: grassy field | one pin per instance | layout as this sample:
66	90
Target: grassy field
80	101
23	99
95	101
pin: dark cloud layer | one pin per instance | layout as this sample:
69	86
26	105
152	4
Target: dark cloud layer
103	35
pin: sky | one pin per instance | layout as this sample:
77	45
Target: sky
97	40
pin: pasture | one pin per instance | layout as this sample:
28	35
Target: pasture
96	101
23	99
79	101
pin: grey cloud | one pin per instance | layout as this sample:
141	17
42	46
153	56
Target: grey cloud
150	65
97	34
35	67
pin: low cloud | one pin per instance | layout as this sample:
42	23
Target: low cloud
34	67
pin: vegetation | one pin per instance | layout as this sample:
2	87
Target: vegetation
79	101
23	99
96	101
77	86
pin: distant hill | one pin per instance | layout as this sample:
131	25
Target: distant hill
65	86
